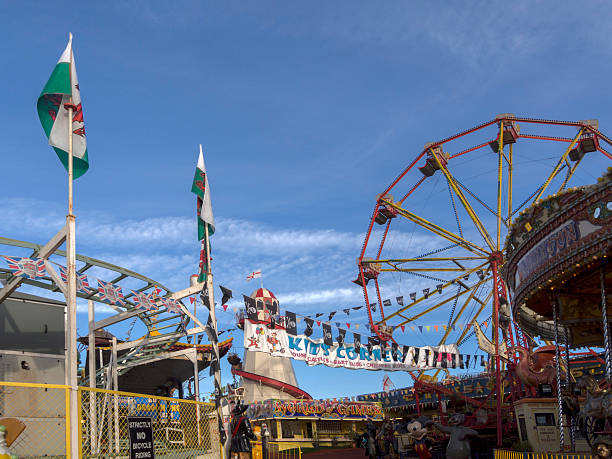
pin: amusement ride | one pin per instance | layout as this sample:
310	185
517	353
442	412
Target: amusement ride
443	227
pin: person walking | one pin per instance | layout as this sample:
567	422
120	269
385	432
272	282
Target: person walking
242	434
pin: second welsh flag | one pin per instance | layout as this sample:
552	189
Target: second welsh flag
61	92
202	190
205	215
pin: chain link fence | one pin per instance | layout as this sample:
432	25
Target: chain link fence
35	418
181	428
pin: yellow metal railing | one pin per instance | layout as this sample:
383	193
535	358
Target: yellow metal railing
277	450
181	428
41	415
507	454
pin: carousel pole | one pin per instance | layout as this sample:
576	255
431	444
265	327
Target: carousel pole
604	317
555	303
568	379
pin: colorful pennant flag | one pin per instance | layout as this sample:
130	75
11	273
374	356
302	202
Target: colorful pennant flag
387	302
29	268
144	301
109	293
254	275
400	300
291	325
227	294
82	283
172	306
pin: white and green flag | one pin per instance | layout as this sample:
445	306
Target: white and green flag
61	92
204	207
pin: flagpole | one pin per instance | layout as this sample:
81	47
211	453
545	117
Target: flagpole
71	361
214	336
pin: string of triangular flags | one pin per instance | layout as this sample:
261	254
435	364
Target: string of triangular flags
106	292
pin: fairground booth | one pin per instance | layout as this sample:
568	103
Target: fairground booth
309	423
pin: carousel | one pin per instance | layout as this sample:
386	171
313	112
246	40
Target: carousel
558	275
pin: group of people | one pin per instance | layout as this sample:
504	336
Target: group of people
384	441
381	441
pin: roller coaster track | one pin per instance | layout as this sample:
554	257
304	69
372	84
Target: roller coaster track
164	329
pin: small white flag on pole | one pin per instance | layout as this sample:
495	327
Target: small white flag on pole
254	275
387	384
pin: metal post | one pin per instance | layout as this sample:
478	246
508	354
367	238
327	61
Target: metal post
71	335
418	403
555	303
115	399
93	417
606	326
498	387
214	342
196	384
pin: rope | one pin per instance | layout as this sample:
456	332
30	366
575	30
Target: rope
437	251
425	276
452	313
129	333
474	196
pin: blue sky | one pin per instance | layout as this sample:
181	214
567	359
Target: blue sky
306	111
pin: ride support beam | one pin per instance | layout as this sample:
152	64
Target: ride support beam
446	285
432	308
558	166
479	226
44	252
438	230
410	260
500	175
499	393
510	170
457	316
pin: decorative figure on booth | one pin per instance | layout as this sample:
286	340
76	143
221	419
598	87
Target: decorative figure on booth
459	443
265	438
242	433
602	447
418	432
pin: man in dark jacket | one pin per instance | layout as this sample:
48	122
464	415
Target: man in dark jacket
242	433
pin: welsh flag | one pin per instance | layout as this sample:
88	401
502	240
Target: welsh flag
61	91
204	207
204	212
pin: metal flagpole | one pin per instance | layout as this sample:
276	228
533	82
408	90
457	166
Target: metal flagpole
213	337
71	350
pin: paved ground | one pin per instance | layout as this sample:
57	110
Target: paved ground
344	453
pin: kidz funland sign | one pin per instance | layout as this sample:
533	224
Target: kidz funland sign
356	356
319	409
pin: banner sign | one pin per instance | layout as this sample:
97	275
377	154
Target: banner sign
277	342
558	241
318	409
141	438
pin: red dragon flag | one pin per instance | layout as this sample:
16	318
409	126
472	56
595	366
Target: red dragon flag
204	206
59	94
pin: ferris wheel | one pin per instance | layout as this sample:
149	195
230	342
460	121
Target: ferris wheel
437	235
